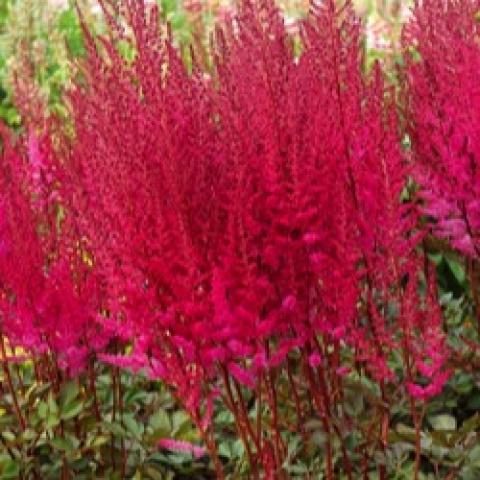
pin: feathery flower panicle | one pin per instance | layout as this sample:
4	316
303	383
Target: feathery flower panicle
44	308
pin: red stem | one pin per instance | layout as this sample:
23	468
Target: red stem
13	393
240	423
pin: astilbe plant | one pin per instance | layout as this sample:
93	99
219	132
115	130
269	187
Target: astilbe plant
48	307
236	228
48	299
442	95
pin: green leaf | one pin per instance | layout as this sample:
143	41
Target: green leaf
223	418
52	404
443	422
354	404
62	444
463	383
457	269
160	423
298	469
469	473
238	450
52	420
42	410
29	434
313	424
436	258
319	438
71	410
133	426
7	421
9	436
98	441
182	424
153	474
115	428
474	402
440	438
135	396
474	456
69	392
405	432
10	470
224	450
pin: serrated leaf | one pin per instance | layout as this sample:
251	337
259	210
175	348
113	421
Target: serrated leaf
224	450
9	436
42	410
238	450
463	383
354	404
160	423
29	434
457	269
52	420
10	470
469	472
435	258
319	438
181	424
62	444
7	421
440	438
313	424
133	397
474	456
474	401
470	424
405	432
298	469
115	428
133	426
154	474
99	441
52	404
69	392
71	410
443	422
